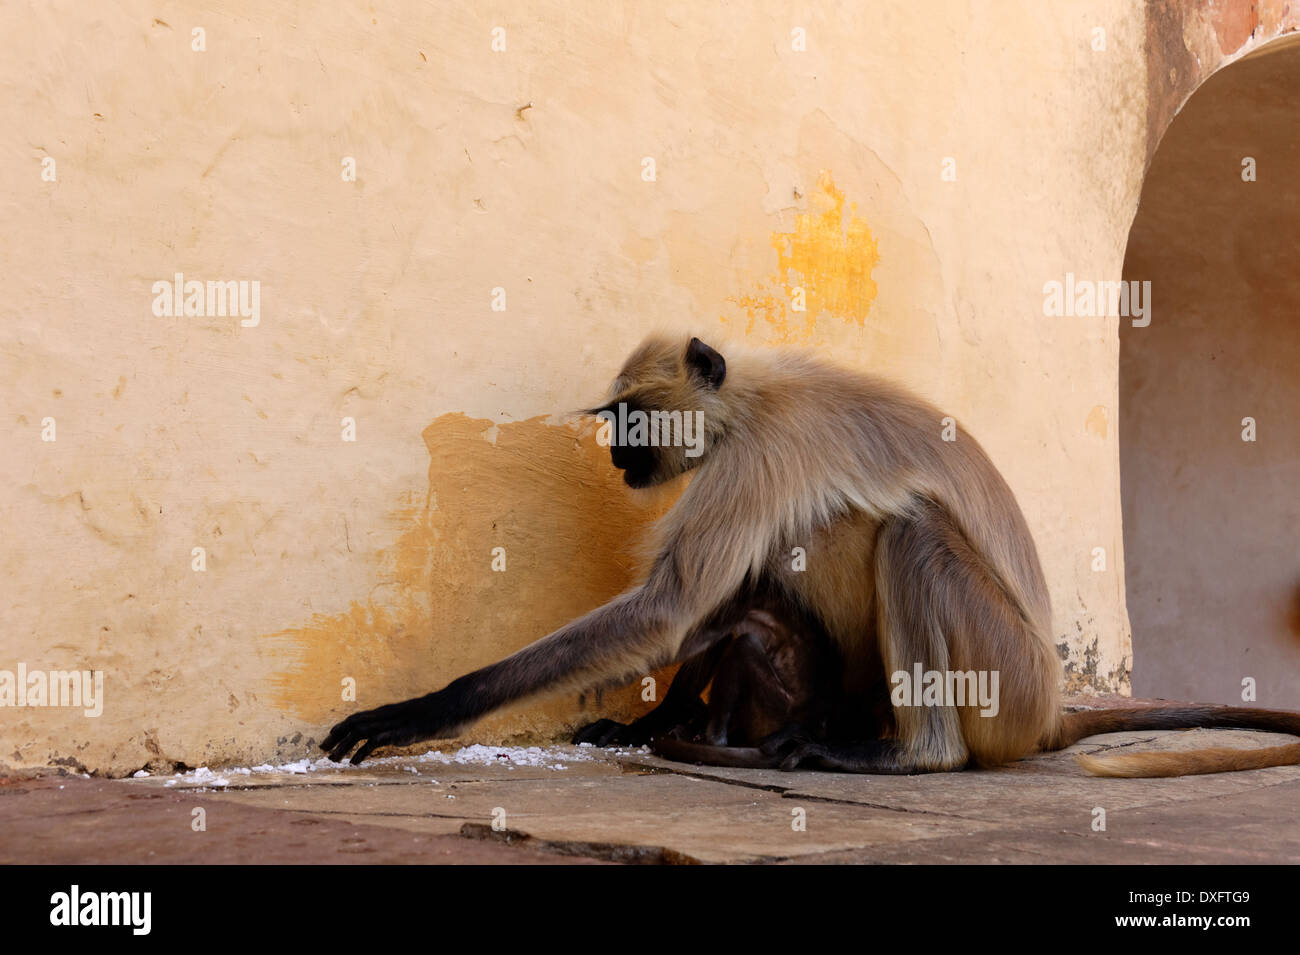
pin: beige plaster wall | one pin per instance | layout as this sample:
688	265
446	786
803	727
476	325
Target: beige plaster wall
521	170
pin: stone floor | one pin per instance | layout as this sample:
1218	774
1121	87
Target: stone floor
582	805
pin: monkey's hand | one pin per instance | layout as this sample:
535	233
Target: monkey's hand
397	724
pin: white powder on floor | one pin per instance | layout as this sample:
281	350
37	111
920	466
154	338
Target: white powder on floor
544	757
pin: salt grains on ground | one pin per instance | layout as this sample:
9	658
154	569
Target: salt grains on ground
544	757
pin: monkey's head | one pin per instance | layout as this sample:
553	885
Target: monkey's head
664	410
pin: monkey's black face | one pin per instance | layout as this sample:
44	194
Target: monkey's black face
644	455
629	447
638	464
655	428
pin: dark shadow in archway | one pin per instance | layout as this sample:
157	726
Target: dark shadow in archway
1212	521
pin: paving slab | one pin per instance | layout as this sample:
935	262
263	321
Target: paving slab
73	820
689	818
1048	786
565	804
1248	828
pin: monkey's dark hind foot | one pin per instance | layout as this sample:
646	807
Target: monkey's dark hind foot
784	740
791	749
603	733
880	757
705	754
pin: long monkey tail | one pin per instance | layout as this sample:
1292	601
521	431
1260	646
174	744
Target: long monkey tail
1075	726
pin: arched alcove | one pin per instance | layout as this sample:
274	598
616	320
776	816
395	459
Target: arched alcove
1212	521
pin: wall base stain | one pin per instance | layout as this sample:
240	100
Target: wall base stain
549	497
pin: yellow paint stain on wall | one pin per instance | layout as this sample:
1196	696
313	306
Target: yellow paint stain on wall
545	493
830	258
1097	421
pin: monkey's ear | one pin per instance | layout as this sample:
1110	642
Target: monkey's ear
710	366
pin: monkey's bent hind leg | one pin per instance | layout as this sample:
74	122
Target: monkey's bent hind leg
941	606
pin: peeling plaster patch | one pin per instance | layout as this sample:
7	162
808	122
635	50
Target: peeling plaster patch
1081	676
1079	673
829	258
1120	679
1233	23
1188	40
1172	72
545	493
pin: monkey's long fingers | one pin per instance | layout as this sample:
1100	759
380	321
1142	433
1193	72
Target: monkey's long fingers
396	724
371	738
345	734
353	730
372	731
337	732
350	726
400	733
344	745
367	748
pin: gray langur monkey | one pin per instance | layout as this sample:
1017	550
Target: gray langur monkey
917	554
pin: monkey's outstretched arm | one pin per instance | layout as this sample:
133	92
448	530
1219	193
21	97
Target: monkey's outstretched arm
701	565
631	634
